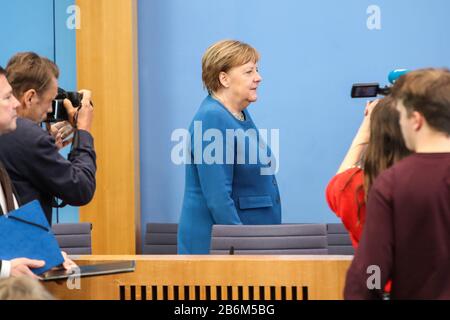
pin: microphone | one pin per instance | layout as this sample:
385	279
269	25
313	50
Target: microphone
397	73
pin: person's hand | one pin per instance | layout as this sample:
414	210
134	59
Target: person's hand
86	112
21	267
62	132
363	135
87	96
81	117
360	141
71	111
68	264
370	105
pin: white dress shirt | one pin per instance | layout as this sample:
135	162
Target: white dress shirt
6	265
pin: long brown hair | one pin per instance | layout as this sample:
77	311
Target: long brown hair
386	145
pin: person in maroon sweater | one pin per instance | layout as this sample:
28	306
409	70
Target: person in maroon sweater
407	233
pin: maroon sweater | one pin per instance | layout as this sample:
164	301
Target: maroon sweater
407	232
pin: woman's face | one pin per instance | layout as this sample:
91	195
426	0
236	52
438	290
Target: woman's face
243	81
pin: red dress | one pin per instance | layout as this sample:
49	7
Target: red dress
345	194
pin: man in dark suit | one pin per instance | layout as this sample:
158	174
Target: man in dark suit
8	202
31	155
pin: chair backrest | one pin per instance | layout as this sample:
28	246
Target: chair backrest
161	238
74	238
269	239
339	242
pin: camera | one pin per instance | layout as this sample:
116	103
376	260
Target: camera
59	112
366	90
370	90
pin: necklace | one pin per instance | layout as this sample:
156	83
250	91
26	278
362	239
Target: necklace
238	115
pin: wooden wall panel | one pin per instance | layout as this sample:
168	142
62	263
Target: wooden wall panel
107	64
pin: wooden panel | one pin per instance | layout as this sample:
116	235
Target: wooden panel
107	64
304	277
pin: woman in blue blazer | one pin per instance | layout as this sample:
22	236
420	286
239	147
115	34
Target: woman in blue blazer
230	174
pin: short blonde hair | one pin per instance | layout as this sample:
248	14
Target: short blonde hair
221	57
23	288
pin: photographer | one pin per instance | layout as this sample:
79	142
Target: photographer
30	154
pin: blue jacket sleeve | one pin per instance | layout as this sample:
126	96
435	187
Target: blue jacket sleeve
216	179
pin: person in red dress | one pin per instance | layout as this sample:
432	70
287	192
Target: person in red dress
377	145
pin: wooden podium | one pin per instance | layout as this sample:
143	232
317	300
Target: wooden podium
178	277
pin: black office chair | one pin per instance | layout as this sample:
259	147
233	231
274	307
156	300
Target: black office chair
269	239
339	242
74	238
161	238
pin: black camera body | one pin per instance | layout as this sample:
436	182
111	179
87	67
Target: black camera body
369	90
59	112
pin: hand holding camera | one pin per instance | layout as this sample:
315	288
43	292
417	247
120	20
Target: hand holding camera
74	107
363	135
360	141
85	113
62	132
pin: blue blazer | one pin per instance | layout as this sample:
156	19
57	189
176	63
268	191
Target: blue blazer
220	191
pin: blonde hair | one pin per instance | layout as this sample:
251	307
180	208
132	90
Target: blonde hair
23	288
221	57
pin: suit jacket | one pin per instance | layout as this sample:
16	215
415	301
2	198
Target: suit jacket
39	171
224	192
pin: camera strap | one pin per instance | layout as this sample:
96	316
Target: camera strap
75	117
57	205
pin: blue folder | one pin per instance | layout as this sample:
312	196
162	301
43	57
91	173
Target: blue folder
25	233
